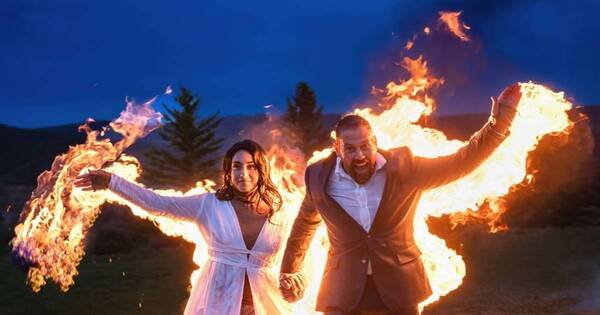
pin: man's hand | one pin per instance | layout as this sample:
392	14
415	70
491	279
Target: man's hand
291	286
504	108
93	180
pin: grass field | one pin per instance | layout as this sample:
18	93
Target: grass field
550	271
143	282
545	271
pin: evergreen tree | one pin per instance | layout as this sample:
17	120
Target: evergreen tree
193	141
305	120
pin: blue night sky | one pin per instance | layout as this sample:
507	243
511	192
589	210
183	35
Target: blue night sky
65	60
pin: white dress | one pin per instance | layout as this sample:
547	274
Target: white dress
219	288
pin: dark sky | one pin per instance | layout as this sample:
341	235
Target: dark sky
65	60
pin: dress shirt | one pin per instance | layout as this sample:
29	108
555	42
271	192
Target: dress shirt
359	201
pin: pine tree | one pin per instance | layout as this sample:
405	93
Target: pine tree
193	143
305	120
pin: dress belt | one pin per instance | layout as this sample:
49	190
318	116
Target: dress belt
245	264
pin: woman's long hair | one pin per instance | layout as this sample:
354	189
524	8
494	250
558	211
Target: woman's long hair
266	190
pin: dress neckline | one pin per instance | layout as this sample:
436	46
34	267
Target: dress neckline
239	228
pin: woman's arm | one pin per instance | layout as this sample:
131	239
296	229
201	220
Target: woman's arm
185	207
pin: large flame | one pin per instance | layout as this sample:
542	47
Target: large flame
541	111
57	217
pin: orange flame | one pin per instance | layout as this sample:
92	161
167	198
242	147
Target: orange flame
56	218
411	42
416	87
451	20
541	111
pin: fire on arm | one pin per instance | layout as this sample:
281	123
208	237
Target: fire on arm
434	172
303	231
184	207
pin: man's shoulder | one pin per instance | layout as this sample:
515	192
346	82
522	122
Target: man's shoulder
321	164
399	153
398	158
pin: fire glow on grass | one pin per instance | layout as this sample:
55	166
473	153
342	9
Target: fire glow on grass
55	220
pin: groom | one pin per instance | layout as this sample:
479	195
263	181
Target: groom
367	198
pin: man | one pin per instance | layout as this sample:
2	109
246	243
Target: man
367	199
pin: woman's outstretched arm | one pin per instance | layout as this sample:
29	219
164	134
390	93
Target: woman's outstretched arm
185	207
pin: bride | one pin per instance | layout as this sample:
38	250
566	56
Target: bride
243	225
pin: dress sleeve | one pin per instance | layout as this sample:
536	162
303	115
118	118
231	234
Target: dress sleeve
184	207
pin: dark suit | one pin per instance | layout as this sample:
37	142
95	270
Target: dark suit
398	273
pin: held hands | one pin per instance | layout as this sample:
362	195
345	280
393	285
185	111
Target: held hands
291	286
93	180
504	108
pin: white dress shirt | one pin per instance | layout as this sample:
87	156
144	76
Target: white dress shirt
219	288
360	201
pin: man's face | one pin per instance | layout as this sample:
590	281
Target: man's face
357	149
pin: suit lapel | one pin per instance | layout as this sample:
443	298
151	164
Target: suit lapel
386	190
330	203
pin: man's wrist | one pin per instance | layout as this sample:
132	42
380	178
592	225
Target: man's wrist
495	130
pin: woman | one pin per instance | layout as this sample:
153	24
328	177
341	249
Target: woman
242	224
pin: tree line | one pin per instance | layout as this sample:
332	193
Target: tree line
194	143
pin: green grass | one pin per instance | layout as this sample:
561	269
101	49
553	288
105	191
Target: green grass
533	271
548	271
156	279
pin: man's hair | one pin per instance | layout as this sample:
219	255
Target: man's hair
351	121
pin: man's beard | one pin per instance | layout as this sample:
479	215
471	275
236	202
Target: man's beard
366	171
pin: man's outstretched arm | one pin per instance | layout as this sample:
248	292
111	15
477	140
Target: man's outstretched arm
303	231
434	172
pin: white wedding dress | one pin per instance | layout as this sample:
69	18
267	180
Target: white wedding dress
218	290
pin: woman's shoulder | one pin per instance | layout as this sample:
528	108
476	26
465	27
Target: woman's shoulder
211	200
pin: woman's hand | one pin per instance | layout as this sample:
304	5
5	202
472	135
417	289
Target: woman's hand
93	180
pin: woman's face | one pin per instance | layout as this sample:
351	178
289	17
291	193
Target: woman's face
244	173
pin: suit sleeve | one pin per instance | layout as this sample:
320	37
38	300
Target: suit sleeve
434	172
184	207
303	231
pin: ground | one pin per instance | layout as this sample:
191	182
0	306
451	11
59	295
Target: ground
534	271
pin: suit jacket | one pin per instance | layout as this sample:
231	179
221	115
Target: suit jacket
389	245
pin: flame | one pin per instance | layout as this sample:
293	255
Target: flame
541	111
451	20
56	219
416	87
411	42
